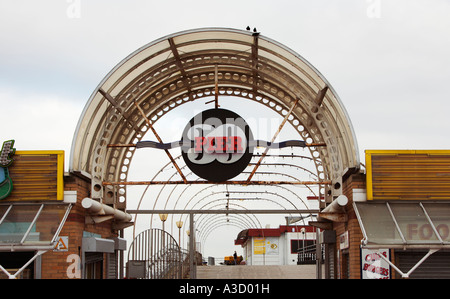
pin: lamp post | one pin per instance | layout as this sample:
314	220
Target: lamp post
179	225
163	218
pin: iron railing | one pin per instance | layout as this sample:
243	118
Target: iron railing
308	255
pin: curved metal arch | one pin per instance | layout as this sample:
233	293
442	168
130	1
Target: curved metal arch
219	192
276	194
258	172
246	192
223	191
221	224
231	204
202	225
177	68
209	229
248	199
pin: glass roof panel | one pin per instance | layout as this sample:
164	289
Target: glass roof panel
17	222
413	223
376	220
27	224
47	224
440	216
378	224
3	210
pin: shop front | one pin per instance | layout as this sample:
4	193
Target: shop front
398	226
45	232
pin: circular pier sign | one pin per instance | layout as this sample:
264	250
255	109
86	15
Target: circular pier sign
216	144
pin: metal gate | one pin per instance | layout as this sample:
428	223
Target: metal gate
154	254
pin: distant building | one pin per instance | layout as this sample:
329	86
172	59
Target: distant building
278	246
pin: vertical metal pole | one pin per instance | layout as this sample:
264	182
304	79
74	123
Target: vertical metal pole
192	266
318	256
216	83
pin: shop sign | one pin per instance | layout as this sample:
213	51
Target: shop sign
37	176
217	145
272	246
391	173
259	246
6	184
424	231
62	244
343	241
373	266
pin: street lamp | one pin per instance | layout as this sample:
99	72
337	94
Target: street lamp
179	225
163	218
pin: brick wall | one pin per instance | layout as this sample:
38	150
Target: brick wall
353	253
54	264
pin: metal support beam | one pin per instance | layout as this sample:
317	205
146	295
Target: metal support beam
321	95
292	211
406	275
335	217
118	108
179	64
273	139
318	256
136	183
15	275
255	72
160	141
321	225
192	264
216	86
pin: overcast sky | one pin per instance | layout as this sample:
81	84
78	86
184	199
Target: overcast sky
388	60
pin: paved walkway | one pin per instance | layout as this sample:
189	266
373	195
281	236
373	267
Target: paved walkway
257	272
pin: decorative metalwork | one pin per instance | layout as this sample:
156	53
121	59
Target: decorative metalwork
160	254
195	64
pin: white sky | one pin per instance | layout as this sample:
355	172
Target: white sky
387	59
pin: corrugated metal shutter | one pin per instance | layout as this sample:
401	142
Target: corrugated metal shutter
435	266
112	266
331	260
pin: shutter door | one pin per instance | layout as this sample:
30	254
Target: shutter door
112	266
331	260
435	266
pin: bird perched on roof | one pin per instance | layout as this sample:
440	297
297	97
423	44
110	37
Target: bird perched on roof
255	32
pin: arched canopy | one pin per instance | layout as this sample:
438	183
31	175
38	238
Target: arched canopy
182	67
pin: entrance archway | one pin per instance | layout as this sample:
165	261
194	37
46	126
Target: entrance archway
184	67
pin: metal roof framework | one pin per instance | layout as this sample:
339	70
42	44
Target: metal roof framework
199	63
